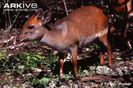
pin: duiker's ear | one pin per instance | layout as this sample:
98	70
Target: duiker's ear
39	14
44	16
47	16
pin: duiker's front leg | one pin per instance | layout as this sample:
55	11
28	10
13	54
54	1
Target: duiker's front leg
61	62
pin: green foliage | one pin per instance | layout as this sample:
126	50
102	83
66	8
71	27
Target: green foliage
68	76
38	83
51	59
3	54
44	81
93	47
3	61
31	60
25	61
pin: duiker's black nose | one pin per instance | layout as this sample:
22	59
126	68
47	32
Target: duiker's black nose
17	39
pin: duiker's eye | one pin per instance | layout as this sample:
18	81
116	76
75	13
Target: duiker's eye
30	27
26	33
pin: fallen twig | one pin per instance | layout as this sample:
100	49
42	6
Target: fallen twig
103	78
8	40
14	46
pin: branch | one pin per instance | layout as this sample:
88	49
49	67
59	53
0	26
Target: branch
64	2
9	17
14	20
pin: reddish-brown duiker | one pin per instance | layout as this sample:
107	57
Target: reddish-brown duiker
79	28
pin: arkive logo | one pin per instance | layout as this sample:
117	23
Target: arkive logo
20	6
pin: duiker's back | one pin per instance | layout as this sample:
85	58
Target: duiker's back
82	25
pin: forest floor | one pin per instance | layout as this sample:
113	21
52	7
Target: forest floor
34	65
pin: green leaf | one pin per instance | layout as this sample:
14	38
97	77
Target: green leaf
44	81
3	54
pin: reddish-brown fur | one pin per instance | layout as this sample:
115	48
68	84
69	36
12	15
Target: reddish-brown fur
77	29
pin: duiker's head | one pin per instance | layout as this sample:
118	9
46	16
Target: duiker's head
33	28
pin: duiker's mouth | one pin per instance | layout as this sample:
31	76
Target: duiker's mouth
22	39
22	42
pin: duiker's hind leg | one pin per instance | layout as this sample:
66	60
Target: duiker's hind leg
105	41
74	52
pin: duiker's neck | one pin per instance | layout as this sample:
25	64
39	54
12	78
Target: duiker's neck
41	32
49	35
53	38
